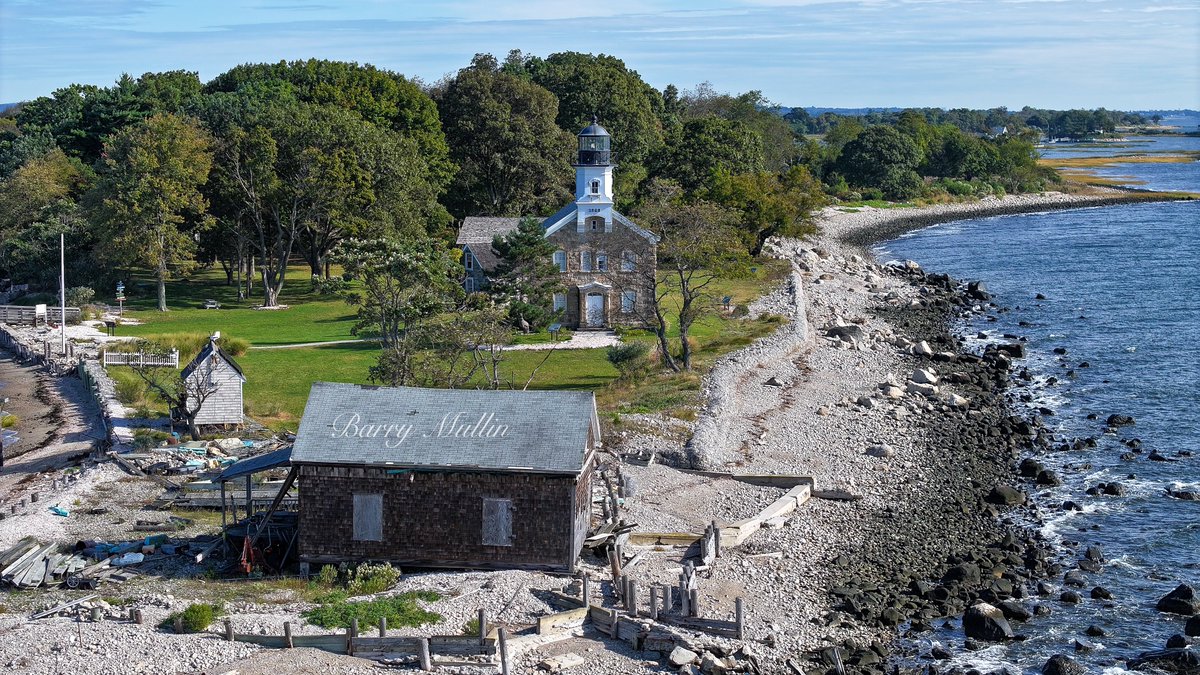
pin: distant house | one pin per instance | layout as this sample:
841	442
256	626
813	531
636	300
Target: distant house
217	379
444	477
604	256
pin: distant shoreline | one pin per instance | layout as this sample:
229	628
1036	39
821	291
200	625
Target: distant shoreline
868	226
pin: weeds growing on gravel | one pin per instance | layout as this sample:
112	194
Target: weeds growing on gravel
335	611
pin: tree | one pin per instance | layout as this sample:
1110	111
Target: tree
184	396
148	196
512	157
384	98
526	278
405	285
753	110
704	145
769	204
882	157
700	244
954	154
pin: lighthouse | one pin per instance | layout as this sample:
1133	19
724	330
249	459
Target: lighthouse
594	180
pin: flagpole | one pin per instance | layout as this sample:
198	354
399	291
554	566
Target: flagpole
62	287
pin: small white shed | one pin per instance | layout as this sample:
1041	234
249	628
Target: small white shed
221	378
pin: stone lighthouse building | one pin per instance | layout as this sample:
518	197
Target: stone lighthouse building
606	259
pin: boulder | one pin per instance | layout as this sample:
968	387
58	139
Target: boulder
1014	350
977	290
1030	467
1101	593
1095	631
881	450
1070	597
1061	664
958	401
1084	646
1015	611
924	376
1182	600
1048	478
1192	627
1177	642
1119	420
986	622
926	390
681	657
851	332
893	392
967	573
1006	495
922	348
1185	661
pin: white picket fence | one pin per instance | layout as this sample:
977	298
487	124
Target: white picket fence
141	359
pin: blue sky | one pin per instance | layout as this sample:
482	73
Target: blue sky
1121	54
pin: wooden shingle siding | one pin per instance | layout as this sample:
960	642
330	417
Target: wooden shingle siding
436	518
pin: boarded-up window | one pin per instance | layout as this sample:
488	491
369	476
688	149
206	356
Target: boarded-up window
368	517
497	522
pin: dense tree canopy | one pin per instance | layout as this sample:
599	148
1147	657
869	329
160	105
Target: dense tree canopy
513	158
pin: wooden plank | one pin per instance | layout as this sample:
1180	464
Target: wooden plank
762	480
329	643
571	618
663	538
65	605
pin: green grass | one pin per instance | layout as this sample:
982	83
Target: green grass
278	380
335	611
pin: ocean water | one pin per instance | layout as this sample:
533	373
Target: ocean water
1121	294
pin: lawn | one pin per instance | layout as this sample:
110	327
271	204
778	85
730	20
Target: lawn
278	380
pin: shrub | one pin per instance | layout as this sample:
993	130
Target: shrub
331	286
371	579
399	610
148	438
8	421
78	296
957	187
196	618
628	357
872	195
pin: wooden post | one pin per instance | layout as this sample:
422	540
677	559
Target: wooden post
287	634
229	630
223	506
631	600
615	563
501	634
483	627
739	617
349	643
249	497
717	537
694	601
137	617
654	603
668	600
130	616
354	627
587	589
97	614
423	654
683	600
614	619
178	625
383	626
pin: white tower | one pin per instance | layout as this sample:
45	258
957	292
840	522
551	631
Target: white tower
593	180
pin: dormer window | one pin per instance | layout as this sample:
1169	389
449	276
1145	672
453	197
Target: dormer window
595	186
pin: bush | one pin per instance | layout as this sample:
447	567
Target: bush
371	579
399	610
188	344
78	296
327	576
196	618
9	421
871	195
628	357
144	439
957	187
331	286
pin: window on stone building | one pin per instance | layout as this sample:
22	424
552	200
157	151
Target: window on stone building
602	262
560	259
628	261
368	517
560	301
585	261
628	301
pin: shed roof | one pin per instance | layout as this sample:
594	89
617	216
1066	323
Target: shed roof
269	460
483	229
532	431
210	350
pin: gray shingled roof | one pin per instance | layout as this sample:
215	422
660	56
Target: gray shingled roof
481	229
208	351
488	260
541	431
